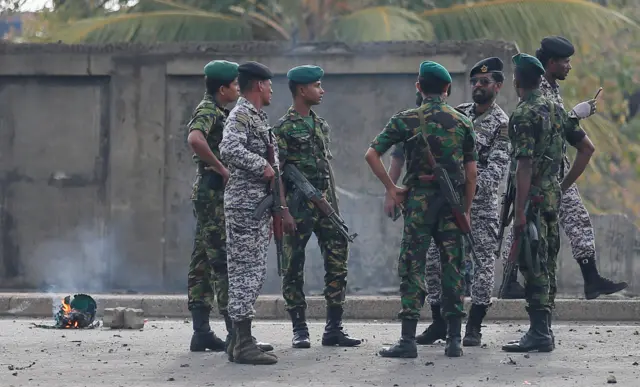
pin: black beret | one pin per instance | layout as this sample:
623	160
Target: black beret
488	65
255	70
557	47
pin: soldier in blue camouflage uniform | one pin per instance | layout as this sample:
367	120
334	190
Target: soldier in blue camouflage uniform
244	149
490	126
303	139
538	129
555	55
208	268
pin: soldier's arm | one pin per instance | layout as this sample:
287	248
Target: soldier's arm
202	121
525	130
233	146
394	132
577	138
397	161
497	162
470	158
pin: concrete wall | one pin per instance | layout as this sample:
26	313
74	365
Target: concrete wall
95	172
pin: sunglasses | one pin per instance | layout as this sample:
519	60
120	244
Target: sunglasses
482	81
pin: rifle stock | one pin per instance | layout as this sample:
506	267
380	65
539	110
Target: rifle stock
314	195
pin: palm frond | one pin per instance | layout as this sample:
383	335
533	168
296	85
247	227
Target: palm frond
527	21
379	24
152	27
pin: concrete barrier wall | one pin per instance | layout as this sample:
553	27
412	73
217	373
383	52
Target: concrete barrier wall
95	172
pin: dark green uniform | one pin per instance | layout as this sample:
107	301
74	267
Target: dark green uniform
207	278
538	128
302	141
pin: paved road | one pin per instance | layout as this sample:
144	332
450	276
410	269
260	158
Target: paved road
586	355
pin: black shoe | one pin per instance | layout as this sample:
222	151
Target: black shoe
472	334
453	347
594	284
300	329
537	338
334	334
406	346
434	332
203	337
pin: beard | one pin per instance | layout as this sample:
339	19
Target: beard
482	96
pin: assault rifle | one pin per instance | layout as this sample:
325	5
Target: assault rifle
446	188
272	201
506	215
292	175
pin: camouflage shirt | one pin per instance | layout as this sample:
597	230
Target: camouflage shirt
450	135
244	148
535	133
208	117
494	150
552	93
305	147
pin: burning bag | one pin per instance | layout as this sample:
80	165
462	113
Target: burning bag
76	312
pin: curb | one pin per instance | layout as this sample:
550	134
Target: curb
270	307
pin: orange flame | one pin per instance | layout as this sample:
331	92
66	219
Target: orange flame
66	308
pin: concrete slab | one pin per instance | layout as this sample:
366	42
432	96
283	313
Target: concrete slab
271	307
587	354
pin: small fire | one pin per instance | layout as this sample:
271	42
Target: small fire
69	318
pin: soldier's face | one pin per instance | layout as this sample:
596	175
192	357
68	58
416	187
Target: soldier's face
230	93
312	93
560	68
483	88
266	91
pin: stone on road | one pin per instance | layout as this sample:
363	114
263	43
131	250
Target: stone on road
158	355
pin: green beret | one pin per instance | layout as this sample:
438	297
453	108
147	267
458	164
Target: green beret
528	63
434	69
221	70
305	74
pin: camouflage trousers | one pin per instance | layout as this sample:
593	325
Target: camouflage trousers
247	244
207	278
485	234
576	224
333	247
539	288
419	227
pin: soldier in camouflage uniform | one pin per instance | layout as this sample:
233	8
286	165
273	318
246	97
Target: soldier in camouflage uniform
555	55
490	125
451	138
244	149
303	139
538	129
208	267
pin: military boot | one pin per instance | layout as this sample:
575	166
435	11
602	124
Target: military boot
553	338
406	346
436	331
245	350
453	347
334	334
300	329
537	338
472	335
594	284
203	337
229	324
514	290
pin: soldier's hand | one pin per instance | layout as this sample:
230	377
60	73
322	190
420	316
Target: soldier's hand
288	223
585	109
389	205
269	173
225	175
520	219
398	195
